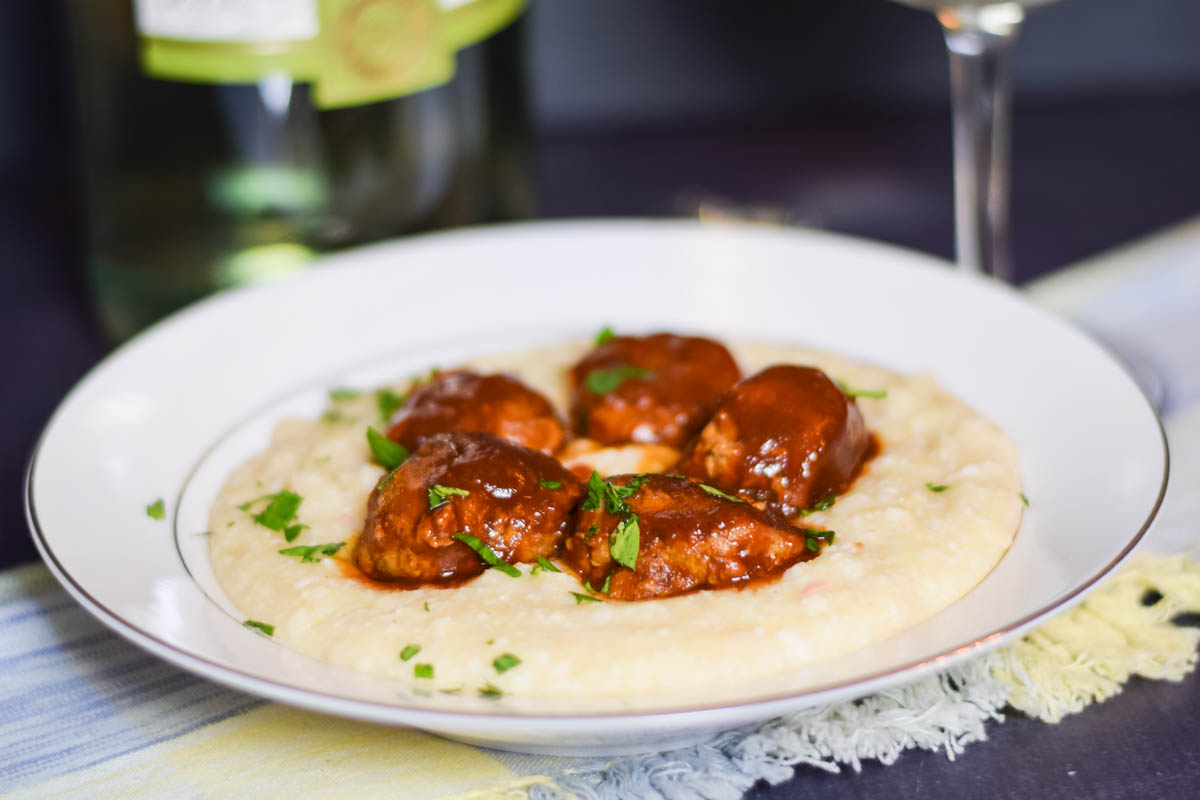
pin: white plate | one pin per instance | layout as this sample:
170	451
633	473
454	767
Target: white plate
171	413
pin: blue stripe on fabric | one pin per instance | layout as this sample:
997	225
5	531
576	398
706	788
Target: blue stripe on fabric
75	696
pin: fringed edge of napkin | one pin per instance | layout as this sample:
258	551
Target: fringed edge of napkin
1122	629
1080	657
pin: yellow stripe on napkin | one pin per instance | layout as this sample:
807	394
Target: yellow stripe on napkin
278	752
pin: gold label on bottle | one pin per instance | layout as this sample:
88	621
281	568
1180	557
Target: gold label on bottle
352	51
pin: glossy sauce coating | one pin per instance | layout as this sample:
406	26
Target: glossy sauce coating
786	437
508	507
689	540
687	377
463	401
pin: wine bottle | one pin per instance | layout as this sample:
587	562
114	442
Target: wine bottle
228	142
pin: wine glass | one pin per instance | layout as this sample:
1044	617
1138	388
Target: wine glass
979	36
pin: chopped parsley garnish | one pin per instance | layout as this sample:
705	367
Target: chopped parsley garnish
409	651
491	691
936	487
605	336
504	662
229	524
595	492
591	531
552	485
850	391
440	495
388	403
607	583
341	394
813	537
426	605
624	541
821	505
204	533
545	564
311	554
1024	499
715	492
603	381
423	671
156	510
488	555
600	491
581	598
279	512
263	627
387	454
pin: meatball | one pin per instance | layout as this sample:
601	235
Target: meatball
464	401
516	501
649	390
688	537
787	437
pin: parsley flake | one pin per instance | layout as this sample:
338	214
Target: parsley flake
850	391
552	485
262	627
605	336
426	605
388	403
606	584
292	531
591	531
603	381
387	453
440	495
821	505
624	541
341	394
491	691
156	510
715	492
409	651
1024	499
816	533
595	492
938	487
423	671
488	555
504	662
545	564
311	554
280	510
581	598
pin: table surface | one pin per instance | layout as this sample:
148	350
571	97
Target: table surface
1087	178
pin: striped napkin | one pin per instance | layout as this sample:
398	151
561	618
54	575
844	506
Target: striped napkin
84	714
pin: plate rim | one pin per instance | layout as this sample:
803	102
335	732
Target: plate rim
395	713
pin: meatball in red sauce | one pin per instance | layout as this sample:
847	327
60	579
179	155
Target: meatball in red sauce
656	389
787	437
464	401
687	538
515	500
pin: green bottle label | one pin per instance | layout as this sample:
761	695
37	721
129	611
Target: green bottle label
352	51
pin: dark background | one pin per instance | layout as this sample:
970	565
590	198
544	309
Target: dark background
831	113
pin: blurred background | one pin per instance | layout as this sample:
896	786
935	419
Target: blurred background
826	114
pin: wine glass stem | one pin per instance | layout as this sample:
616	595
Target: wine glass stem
981	98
